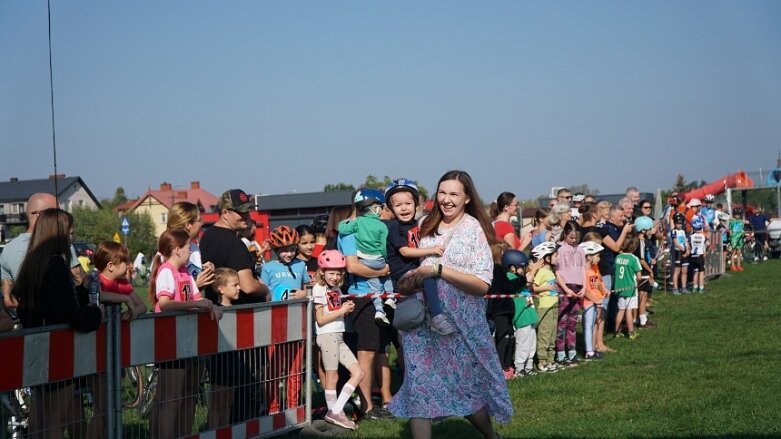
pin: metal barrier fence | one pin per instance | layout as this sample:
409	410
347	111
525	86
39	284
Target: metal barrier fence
714	257
162	376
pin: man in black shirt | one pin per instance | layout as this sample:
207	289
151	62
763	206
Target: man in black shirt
220	245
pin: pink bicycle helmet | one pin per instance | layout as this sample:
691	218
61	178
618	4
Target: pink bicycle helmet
330	259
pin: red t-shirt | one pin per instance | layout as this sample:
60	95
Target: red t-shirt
502	228
317	250
121	286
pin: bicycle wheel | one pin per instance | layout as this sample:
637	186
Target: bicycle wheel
132	387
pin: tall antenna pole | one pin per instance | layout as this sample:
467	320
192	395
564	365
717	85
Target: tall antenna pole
51	96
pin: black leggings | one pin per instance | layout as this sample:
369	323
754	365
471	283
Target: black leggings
504	336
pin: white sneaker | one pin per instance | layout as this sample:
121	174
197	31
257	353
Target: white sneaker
442	325
391	302
339	419
764	258
381	319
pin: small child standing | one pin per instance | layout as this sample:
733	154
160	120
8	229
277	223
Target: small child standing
111	262
595	293
680	254
570	272
627	276
404	255
371	236
329	315
285	278
646	253
736	236
501	311
172	288
547	300
525	316
228	371
698	242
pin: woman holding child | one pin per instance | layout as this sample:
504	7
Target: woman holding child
457	374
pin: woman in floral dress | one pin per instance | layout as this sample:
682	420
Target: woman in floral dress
457	374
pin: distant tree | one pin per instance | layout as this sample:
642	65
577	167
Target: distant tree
14	231
372	182
680	184
96	225
119	198
338	187
583	189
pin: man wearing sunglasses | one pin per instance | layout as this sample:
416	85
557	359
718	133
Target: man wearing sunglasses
564	195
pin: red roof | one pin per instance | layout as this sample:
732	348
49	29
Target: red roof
167	196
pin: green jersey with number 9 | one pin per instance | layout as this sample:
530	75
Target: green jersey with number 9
627	267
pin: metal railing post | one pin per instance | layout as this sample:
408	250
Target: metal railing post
110	383
117	369
309	369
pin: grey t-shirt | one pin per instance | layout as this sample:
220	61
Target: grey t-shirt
13	255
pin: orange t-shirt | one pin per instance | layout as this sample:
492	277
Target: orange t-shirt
594	286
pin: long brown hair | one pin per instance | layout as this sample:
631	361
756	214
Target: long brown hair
503	200
169	241
50	237
474	207
337	215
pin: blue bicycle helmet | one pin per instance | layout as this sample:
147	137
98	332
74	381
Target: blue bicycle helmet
644	223
515	258
402	184
367	196
697	223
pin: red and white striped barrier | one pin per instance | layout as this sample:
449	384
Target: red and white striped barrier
257	427
159	338
50	356
61	354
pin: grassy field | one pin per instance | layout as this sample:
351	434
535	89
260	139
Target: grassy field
711	369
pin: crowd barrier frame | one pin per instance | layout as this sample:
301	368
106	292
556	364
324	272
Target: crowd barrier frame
51	354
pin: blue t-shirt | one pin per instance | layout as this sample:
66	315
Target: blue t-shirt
355	284
758	221
709	213
279	276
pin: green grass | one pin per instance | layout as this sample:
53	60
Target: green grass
709	370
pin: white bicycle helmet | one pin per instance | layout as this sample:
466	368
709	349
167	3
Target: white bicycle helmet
578	197
724	216
544	249
590	247
709	198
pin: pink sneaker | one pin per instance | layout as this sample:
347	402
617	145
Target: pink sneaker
442	325
509	373
339	419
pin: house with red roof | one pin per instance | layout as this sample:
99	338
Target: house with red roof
157	202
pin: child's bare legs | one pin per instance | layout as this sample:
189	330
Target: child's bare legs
684	276
619	318
676	273
599	332
629	319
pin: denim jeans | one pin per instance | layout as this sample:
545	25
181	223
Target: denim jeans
589	320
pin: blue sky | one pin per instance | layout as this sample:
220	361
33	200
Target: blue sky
274	97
